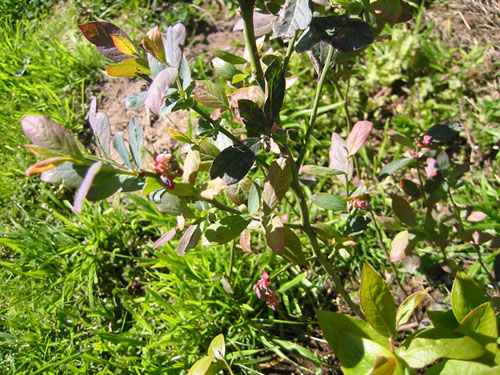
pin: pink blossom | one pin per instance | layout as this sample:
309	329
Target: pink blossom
427	139
265	293
166	168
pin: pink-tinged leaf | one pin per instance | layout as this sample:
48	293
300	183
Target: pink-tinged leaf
275	235
174	42
322	2
399	246
165	238
290	80
476	216
338	156
99	33
42	151
210	94
278	181
46	133
245	241
432	168
128	68
189	239
411	263
253	93
153	43
358	136
158	89
45	165
213	188
262	24
85	186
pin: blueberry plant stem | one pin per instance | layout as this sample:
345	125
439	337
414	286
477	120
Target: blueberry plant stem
312	119
247	7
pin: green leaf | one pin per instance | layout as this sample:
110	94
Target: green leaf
227	228
290	284
253	117
295	15
384	366
403	210
426	346
343	33
217	347
275	90
455	367
481	325
443	319
224	69
44	132
168	203
201	366
254	195
303	352
377	302
229	57
120	148
401	139
67	174
332	324
189	239
466	295
135	142
234	162
446	132
152	184
316	170
99	33
211	95
359	355
120	339
394	166
275	235
328	202
184	190
410	188
408	305
279	177
104	186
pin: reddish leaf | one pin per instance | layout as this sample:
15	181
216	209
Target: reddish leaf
153	43
158	89
99	33
209	94
358	136
85	186
174	42
278	181
46	133
245	241
262	23
403	210
165	238
399	246
189	239
275	235
476	216
338	156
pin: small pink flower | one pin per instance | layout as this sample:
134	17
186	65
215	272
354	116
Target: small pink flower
415	155
265	293
360	204
166	168
161	162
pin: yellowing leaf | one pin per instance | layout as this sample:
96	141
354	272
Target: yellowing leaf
213	188
123	44
128	68
45	165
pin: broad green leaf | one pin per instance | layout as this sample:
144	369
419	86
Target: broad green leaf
343	33
99	33
293	248
279	177
443	319
189	239
254	195
168	203
210	94
229	57
152	184
44	132
384	366
394	166
85	186
456	367
359	355
224	69
135	142
403	210
426	346
43	152
128	68
100	126
124	44
158	89
253	117
201	366
316	170
174	42
178	136
184	190
275	235
238	193
234	162
410	188
332	324
295	15
104	185
358	136
408	305
121	149
328	202
401	139
481	325
68	174
466	295
217	347
227	228
275	90
377	302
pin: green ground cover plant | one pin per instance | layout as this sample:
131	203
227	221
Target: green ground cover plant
288	188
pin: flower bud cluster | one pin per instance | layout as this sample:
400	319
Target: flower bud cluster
166	168
265	293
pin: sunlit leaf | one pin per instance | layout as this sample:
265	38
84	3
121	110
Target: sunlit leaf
100	126
328	201
191	166
174	42
279	177
358	136
394	166
209	94
189	239
217	347
295	15
135	141
128	68
275	235
158	89
466	295
99	33
227	228
124	44
85	186
408	305
399	245
201	366
45	165
164	239
403	210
